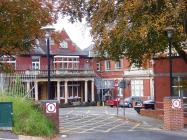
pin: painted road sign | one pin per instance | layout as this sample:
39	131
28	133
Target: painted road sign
50	107
176	103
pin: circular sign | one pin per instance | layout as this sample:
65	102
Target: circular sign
176	103
115	83
50	107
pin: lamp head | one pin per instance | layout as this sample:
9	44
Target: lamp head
48	29
169	30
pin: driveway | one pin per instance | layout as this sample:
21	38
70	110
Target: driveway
100	123
100	119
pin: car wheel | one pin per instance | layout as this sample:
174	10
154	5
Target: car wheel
111	105
130	105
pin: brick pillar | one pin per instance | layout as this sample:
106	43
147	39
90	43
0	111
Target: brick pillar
53	114
173	114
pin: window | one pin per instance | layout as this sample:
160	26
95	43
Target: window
118	65
107	65
66	62
63	44
178	88
11	60
137	87
35	63
98	66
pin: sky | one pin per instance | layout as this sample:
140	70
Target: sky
78	32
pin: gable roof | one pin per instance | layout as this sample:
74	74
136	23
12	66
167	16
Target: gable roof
71	50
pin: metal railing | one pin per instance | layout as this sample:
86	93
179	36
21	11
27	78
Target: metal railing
16	84
56	73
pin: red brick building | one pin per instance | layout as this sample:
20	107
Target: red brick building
161	78
71	75
139	81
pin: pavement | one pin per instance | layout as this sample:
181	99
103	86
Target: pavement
132	115
8	135
76	120
99	119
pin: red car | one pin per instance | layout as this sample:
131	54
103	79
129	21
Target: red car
113	102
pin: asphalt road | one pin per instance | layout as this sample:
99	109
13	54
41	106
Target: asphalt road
94	119
102	123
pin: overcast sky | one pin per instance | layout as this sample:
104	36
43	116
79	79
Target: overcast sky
78	32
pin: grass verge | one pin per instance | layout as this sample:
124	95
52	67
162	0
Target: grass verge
28	119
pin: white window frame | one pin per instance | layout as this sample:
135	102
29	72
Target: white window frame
137	88
178	89
35	63
98	66
8	60
118	64
107	65
63	44
72	60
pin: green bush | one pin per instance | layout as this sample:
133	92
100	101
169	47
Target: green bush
29	120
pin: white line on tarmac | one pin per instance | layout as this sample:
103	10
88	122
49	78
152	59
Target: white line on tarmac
83	123
106	112
108	130
98	122
87	112
134	127
99	126
77	120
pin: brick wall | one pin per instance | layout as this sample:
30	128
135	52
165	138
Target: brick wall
54	117
161	79
173	118
159	114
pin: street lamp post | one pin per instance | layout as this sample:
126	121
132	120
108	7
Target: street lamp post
48	30
170	31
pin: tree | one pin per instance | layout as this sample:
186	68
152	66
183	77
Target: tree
20	24
21	20
135	28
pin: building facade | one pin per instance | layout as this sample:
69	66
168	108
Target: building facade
139	81
162	79
71	76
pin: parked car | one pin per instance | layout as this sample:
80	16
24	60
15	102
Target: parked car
112	102
128	102
148	104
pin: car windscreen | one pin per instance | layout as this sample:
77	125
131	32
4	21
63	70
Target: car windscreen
127	99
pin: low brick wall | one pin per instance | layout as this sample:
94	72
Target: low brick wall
173	116
159	113
185	118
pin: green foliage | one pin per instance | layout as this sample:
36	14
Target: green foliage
20	23
28	120
135	28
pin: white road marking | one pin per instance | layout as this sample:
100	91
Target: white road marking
84	122
88	124
106	112
108	130
98	126
134	127
63	136
69	122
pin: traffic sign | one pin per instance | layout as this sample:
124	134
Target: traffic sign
176	104
50	107
122	84
116	83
